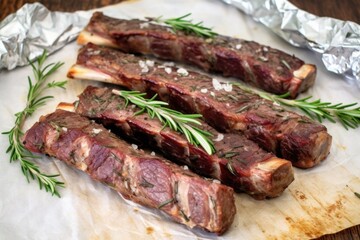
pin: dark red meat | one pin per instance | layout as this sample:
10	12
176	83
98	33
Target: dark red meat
261	66
285	133
150	181
238	162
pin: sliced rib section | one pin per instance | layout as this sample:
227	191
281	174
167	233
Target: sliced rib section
150	181
238	162
225	107
262	66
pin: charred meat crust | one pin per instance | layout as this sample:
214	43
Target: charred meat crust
150	181
238	162
287	134
262	66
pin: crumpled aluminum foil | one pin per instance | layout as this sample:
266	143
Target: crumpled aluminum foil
337	41
33	28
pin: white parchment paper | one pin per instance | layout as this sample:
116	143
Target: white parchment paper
318	202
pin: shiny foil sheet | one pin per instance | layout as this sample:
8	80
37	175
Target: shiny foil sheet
338	42
33	28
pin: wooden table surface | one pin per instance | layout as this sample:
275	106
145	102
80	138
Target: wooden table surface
345	10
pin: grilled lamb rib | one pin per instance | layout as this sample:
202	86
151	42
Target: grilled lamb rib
225	107
238	162
150	181
262	66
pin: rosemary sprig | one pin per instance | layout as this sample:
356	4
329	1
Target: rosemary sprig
187	26
174	119
316	109
34	100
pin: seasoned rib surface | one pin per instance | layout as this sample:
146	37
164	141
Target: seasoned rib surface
262	66
238	162
150	181
225	107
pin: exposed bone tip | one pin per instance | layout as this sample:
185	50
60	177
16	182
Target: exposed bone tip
66	106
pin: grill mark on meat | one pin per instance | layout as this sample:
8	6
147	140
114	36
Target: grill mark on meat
259	65
246	157
91	148
273	128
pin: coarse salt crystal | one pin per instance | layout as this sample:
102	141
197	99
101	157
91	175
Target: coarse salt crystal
276	104
265	49
212	94
152	153
216	84
219	137
204	90
185	167
144	25
64	129
168	70
96	130
150	63
227	87
216	181
134	146
92	52
182	72
144	67
238	46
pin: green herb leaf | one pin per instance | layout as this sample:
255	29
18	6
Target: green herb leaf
177	121
163	204
346	114
187	26
34	100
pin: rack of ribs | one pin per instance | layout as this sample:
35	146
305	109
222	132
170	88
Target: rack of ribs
224	106
237	162
147	180
262	66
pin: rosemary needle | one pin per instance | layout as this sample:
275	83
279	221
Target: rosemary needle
34	100
187	26
175	120
347	114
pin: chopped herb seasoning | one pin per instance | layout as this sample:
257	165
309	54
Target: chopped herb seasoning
285	63
184	215
98	99
303	121
231	169
115	157
233	97
263	59
242	109
231	154
193	88
144	183
163	204
176	187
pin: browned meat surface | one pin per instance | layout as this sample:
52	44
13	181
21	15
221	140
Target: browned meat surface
238	162
262	66
150	181
285	133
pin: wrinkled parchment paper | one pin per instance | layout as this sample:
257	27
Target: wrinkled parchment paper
318	202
